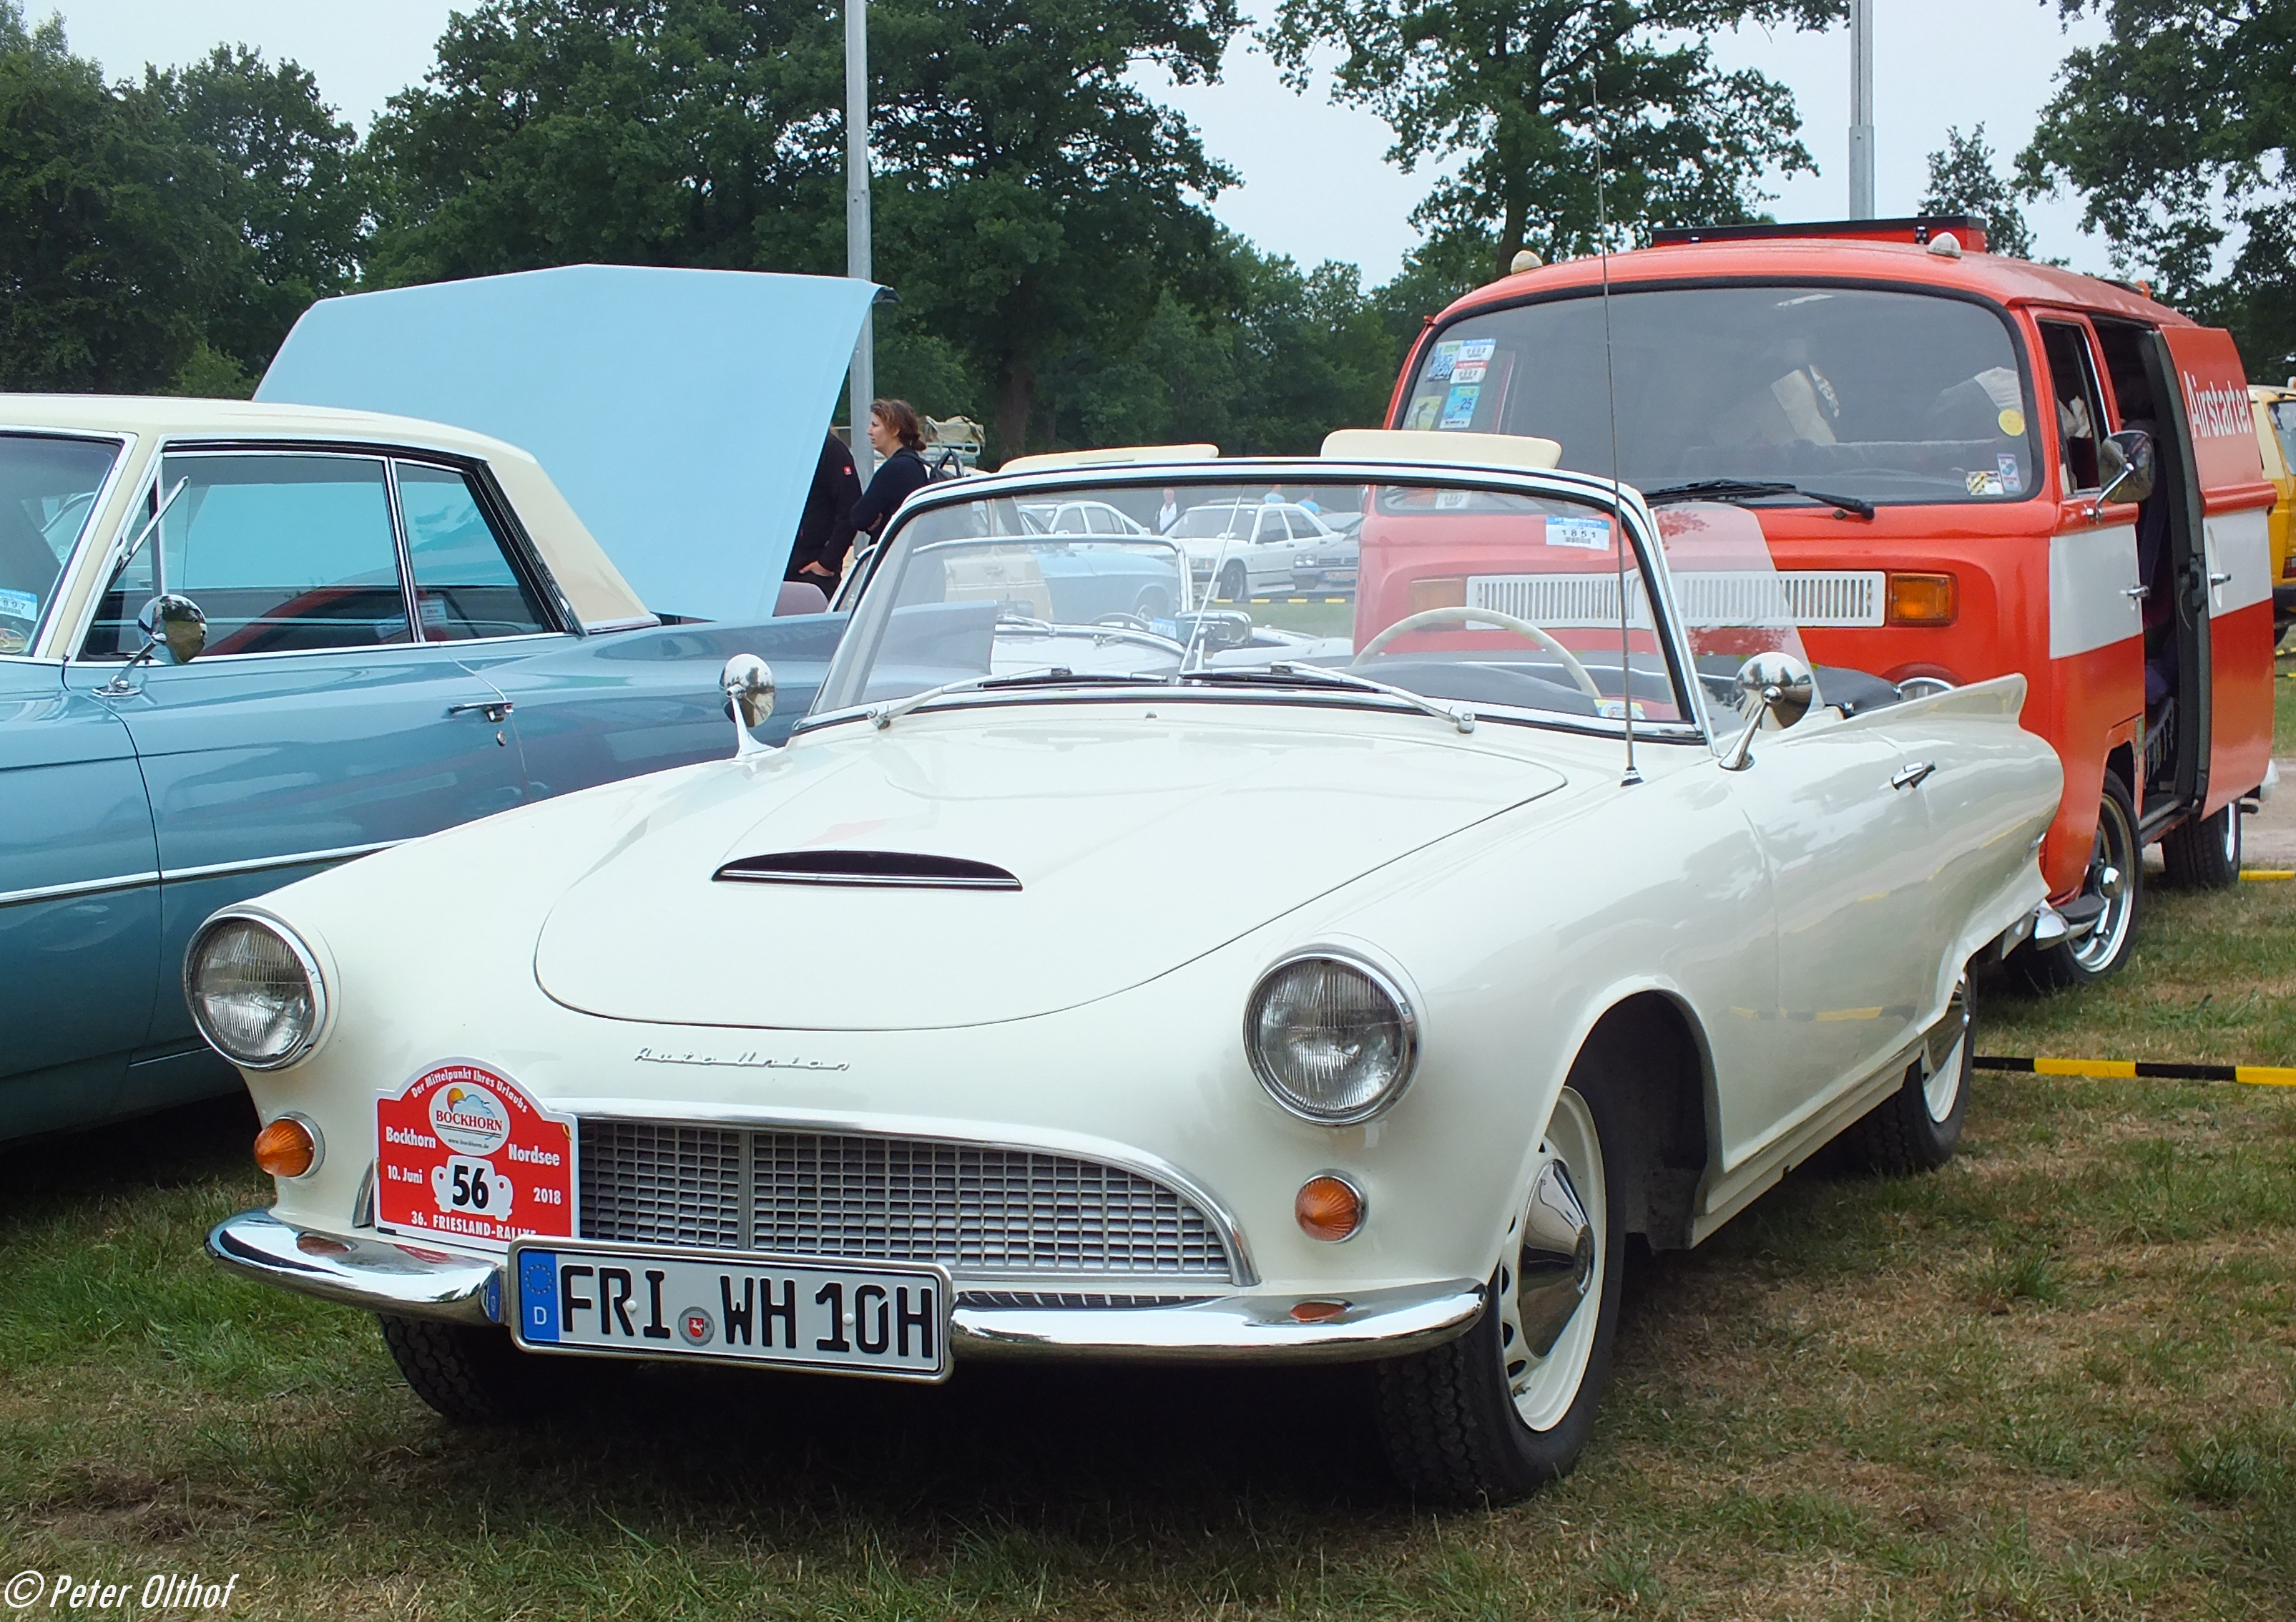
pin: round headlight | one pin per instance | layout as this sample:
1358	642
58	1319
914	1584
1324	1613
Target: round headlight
255	992
1331	1040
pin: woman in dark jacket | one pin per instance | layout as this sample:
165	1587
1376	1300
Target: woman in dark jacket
898	438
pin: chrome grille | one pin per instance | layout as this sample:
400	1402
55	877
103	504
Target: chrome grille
979	1211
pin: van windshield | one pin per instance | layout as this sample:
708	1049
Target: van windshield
1887	395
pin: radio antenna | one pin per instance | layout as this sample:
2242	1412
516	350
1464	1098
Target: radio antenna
1611	393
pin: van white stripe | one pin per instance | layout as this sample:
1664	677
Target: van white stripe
2239	544
2090	574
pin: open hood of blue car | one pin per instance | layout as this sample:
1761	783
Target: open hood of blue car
680	411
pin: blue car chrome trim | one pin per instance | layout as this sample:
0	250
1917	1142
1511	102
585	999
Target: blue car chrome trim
381	1275
85	886
264	864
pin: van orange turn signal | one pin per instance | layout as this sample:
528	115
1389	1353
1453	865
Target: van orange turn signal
1329	1207
1445	593
1923	599
286	1148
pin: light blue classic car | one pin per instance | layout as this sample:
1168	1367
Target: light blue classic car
393	627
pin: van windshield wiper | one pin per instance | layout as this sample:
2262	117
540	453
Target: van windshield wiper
1302	675
883	715
1748	489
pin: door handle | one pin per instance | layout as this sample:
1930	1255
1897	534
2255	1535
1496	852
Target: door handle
493	709
2220	579
1905	777
2136	593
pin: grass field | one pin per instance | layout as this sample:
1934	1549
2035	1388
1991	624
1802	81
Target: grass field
2055	1380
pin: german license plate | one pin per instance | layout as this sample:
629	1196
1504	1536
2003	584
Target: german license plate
855	1318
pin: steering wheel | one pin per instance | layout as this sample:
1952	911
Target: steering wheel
1429	617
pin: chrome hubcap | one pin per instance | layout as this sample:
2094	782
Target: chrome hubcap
1943	1058
1550	1263
2108	863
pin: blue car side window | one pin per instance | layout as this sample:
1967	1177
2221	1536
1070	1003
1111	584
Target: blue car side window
464	583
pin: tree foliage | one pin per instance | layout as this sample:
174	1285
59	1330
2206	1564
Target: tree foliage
2177	131
1963	180
1525	94
163	234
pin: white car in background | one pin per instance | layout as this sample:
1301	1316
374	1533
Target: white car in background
1081	518
1592	916
1242	547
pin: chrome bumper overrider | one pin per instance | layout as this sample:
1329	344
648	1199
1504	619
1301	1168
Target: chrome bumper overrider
385	1276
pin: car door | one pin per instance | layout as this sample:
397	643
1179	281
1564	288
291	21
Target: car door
317	725
1268	559
79	902
1849	861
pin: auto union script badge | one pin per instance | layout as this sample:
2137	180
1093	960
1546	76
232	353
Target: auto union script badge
462	1151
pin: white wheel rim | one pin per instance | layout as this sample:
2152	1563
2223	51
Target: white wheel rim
2232	837
2110	876
1944	1083
1544	1388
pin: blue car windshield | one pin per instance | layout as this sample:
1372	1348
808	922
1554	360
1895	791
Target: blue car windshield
48	488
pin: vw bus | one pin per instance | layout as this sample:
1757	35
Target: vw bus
1967	466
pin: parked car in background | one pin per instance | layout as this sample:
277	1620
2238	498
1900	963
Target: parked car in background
367	629
2275	438
1327	565
1240	546
1588	919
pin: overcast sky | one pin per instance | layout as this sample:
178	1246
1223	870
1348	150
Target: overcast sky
1316	184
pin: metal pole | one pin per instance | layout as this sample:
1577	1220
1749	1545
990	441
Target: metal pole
1861	108
864	380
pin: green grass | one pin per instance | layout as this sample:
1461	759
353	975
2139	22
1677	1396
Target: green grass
2283	713
2054	1380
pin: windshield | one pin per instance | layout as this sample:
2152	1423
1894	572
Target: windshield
1887	396
2283	414
1468	600
47	493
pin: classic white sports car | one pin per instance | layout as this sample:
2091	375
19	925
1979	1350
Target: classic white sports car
1593	911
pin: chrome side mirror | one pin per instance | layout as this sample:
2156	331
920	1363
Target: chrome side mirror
1775	691
175	622
2126	461
747	682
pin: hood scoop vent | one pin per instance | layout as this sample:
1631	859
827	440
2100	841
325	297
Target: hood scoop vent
871	869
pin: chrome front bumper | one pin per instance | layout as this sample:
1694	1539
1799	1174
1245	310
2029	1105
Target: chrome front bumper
384	1275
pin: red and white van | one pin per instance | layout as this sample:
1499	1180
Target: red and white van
1931	436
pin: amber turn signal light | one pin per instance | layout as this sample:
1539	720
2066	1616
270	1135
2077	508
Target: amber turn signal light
286	1148
1450	593
1328	1207
1923	599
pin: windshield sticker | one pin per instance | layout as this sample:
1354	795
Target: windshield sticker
1459	409
1470	371
1439	364
1450	501
1588	534
2012	424
1985	484
1425	411
2013	480
19	604
1478	348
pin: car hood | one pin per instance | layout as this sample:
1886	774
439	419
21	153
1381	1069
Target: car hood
683	423
1135	846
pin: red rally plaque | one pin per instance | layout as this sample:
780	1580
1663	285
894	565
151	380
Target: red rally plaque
462	1151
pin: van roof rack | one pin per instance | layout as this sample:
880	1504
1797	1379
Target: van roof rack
1968	230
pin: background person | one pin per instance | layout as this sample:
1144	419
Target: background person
822	534
901	439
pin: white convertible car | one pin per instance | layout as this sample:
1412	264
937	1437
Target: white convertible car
1587	911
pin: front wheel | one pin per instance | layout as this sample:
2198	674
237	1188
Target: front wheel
469	1374
2204	853
1508	1406
1233	585
2111	892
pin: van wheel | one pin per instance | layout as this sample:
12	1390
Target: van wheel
472	1375
2204	853
2116	879
1508	1407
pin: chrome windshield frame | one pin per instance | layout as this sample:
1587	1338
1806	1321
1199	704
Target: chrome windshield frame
1621	502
